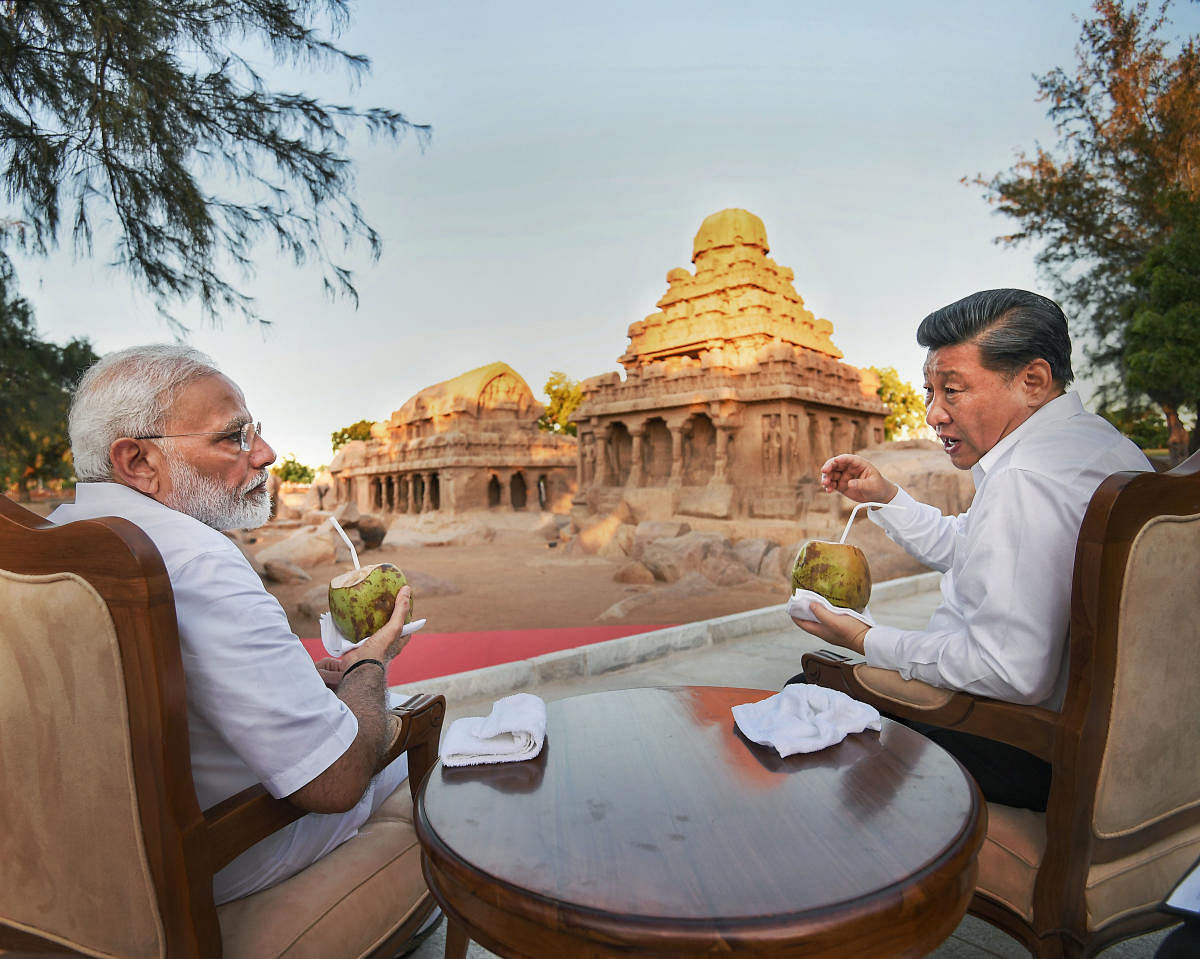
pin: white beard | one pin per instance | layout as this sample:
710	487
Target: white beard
213	504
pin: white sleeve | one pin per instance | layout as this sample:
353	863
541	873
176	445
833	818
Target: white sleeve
1002	626
251	679
922	531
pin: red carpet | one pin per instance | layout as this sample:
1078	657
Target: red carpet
440	654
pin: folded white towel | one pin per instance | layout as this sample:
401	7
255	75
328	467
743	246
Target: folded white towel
335	643
515	730
798	607
804	718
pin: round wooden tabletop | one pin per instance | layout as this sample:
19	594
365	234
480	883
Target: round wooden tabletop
649	825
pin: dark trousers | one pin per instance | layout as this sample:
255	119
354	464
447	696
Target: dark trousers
1006	775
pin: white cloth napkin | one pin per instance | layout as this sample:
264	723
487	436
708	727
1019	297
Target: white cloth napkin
798	607
515	730
336	644
804	718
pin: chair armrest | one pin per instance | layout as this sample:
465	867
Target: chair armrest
237	823
418	734
1030	728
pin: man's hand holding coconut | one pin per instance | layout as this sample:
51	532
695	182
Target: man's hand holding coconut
858	480
387	642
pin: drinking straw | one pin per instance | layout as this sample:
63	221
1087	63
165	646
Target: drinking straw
342	533
853	513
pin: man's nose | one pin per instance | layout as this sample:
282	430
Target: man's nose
935	413
261	454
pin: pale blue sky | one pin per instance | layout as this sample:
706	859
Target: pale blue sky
576	150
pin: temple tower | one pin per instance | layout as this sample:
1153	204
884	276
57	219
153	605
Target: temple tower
733	393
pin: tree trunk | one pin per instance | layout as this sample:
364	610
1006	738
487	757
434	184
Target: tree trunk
1177	435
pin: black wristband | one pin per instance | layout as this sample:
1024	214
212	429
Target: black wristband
363	662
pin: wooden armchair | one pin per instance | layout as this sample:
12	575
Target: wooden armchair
103	847
1123	818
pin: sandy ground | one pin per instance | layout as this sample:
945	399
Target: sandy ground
517	581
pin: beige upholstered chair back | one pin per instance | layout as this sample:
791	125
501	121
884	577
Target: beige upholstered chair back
69	804
1123	822
101	837
1150	769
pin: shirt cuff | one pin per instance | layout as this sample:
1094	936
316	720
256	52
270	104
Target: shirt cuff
880	647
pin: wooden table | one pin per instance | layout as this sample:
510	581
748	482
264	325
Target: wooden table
649	826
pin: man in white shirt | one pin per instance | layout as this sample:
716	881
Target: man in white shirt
161	438
996	379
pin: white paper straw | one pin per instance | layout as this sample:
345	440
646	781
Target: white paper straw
853	513
342	533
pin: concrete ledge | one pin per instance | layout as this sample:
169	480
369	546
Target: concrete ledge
598	658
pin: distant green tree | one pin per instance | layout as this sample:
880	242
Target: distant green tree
1145	426
565	395
355	431
906	407
1162	337
36	380
150	114
291	470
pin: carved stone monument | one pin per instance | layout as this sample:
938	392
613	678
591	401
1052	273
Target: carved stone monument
468	443
733	393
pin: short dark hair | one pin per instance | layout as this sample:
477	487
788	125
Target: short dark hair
1011	328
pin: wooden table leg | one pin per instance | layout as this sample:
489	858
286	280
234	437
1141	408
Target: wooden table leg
456	940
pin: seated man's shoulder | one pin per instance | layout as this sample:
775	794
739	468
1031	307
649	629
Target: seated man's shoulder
1083	446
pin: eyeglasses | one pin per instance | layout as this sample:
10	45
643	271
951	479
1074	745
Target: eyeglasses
245	436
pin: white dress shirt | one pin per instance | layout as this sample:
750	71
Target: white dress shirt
1008	561
258	710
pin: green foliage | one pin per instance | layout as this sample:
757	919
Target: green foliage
906	406
1128	124
36	380
147	113
565	395
291	470
1144	426
1162	339
355	431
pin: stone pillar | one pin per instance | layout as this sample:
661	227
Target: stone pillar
427	499
725	436
675	480
602	477
635	468
412	503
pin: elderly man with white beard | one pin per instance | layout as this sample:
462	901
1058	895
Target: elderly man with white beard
163	439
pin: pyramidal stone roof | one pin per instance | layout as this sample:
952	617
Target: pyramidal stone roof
737	301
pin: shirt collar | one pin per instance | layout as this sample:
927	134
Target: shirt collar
1056	411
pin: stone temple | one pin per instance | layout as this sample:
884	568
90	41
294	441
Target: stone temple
733	394
468	443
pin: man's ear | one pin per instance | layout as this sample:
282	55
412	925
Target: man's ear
137	467
1038	382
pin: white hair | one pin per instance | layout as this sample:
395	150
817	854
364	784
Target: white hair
128	393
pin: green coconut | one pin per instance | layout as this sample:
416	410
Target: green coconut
363	600
837	571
